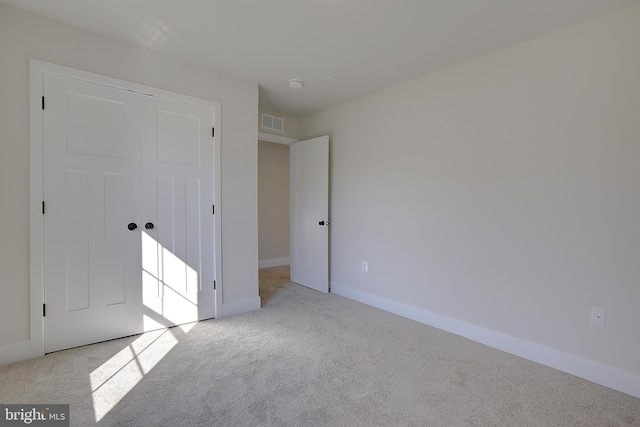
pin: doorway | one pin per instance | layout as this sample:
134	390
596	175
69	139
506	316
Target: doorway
273	217
275	209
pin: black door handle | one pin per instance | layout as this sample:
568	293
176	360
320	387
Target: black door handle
149	226
321	223
132	226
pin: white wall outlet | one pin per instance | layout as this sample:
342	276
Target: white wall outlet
364	266
597	316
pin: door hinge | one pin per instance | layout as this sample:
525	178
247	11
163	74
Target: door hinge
43	207
213	209
43	102
213	132
214	285
44	310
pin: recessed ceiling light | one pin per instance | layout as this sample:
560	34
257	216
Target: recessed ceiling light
296	84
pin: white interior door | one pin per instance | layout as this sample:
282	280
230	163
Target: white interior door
177	201
92	192
309	204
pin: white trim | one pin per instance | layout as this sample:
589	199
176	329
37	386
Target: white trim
217	200
37	69
263	136
278	262
61	70
240	307
598	373
36	196
15	352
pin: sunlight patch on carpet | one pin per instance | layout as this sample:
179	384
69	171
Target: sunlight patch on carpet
115	378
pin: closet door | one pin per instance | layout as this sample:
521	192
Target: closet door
178	260
92	204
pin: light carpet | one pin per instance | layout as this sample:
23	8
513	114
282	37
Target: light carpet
309	359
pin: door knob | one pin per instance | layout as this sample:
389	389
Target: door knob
149	226
132	226
323	223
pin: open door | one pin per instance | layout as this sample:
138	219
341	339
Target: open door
309	199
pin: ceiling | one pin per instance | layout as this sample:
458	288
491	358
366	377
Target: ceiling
366	45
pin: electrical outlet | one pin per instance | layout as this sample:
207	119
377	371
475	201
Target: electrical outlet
364	266
598	316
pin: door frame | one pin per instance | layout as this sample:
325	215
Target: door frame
262	136
37	69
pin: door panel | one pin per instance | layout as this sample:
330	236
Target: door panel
178	138
177	196
92	276
77	247
309	190
95	115
114	266
193	236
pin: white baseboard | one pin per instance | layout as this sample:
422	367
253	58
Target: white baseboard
267	263
15	352
598	373
239	307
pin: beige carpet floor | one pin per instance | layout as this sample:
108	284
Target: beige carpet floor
309	359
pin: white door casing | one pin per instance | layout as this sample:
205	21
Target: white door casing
309	204
95	163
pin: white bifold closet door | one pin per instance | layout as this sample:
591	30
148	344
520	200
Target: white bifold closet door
128	226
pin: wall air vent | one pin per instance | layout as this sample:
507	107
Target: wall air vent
272	122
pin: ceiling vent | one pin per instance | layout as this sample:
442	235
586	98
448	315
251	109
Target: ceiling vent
272	122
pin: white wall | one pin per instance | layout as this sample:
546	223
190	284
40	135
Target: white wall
23	36
502	193
273	204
